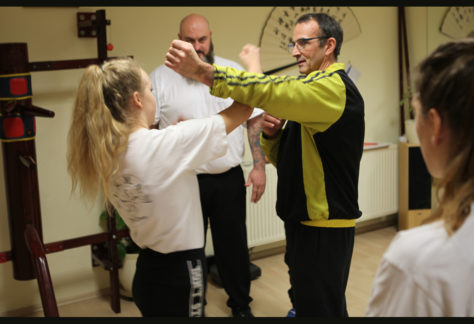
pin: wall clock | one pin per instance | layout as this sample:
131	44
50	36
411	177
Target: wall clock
458	22
278	29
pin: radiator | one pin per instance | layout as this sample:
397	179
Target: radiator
378	182
378	196
263	224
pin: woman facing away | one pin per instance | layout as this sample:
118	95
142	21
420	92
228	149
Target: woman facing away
148	176
429	270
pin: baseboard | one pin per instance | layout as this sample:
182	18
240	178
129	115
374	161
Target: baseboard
266	250
376	223
278	247
255	253
38	308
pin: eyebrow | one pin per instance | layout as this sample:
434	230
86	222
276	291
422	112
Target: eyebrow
194	39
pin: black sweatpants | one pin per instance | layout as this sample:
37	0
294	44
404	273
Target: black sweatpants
170	284
319	260
223	200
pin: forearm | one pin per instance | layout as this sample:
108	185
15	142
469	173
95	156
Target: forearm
270	147
206	74
302	99
235	115
253	132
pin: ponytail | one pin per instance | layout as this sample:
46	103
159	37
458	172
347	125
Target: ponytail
100	126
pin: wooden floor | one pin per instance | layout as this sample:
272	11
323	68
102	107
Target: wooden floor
269	291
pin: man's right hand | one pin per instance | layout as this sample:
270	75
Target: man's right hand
183	59
271	125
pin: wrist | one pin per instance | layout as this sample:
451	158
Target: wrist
259	165
206	74
255	69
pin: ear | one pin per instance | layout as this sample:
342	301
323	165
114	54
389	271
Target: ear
330	45
179	36
437	126
137	101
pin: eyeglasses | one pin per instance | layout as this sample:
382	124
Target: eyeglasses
301	43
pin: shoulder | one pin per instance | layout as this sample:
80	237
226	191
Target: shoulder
159	70
411	248
330	75
163	71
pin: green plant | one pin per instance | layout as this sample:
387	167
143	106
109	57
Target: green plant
406	102
125	244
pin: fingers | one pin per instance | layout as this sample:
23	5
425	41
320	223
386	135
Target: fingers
173	57
250	56
180	119
257	179
249	47
270	118
271	122
171	60
180	45
254	195
257	193
177	53
267	124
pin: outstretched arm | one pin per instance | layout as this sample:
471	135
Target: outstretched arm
235	115
183	59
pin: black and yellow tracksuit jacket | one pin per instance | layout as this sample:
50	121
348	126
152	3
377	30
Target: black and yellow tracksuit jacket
317	154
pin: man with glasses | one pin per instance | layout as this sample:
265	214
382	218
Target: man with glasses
221	182
314	136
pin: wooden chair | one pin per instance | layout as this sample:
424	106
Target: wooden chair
36	248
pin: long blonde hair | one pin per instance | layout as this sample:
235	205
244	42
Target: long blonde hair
101	124
445	81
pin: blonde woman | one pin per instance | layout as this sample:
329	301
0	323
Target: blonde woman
148	176
429	270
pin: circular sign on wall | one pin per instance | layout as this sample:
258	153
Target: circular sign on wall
278	29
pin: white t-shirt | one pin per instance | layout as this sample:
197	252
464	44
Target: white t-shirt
425	272
156	190
180	97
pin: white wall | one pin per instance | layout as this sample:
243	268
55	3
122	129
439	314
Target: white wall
145	33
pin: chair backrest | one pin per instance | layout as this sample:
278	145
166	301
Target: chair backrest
36	248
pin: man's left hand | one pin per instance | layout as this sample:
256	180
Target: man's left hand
257	179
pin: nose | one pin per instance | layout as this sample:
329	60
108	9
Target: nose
295	51
198	47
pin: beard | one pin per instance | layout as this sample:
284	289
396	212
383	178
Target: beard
209	57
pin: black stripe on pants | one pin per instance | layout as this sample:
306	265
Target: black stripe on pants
223	200
170	284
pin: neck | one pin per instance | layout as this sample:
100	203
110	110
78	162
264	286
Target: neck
137	127
327	61
140	124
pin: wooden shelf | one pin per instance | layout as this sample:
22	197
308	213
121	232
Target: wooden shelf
414	195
